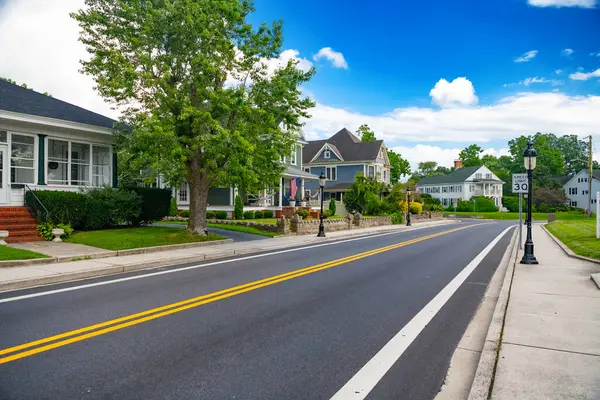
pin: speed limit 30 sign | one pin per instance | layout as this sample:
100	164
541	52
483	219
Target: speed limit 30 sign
520	183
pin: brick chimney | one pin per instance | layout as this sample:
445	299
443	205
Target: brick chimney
457	164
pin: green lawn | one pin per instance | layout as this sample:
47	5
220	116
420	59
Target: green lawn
515	216
243	228
132	238
10	253
579	236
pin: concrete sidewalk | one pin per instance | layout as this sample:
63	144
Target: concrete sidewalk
550	338
12	278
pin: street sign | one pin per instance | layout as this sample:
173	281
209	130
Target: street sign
520	183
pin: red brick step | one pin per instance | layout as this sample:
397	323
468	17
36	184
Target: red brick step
20	224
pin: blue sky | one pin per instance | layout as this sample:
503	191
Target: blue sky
429	76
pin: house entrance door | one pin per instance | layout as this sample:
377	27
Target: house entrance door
4	178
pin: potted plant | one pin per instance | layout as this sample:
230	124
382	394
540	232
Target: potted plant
299	198
292	202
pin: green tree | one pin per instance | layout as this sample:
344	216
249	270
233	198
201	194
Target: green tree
362	191
193	78
470	156
550	160
366	134
398	166
429	168
238	207
332	207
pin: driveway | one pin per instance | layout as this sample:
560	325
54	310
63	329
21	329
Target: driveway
233	235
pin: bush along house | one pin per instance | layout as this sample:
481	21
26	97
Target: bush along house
342	157
462	184
48	144
291	184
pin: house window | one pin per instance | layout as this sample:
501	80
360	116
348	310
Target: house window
385	177
58	162
183	193
371	171
327	154
444	189
331	173
282	159
573	204
488	176
80	164
293	157
478	175
471	188
573	190
3	137
22	159
100	165
307	169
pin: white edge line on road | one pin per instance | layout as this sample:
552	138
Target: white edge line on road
361	384
171	271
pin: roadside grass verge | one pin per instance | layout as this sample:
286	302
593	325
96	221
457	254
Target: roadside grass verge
242	228
579	236
133	238
10	253
513	216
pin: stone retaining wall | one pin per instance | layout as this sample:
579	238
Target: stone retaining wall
306	227
426	216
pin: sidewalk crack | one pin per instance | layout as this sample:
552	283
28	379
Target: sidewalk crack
551	349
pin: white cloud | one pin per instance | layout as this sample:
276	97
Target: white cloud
582	76
526	57
337	59
558	71
530	81
459	92
284	57
563	3
595	53
44	53
509	117
444	157
567	52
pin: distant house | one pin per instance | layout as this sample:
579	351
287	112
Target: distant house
463	184
577	189
341	158
46	143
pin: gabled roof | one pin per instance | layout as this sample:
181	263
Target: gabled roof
348	145
456	176
564	180
18	99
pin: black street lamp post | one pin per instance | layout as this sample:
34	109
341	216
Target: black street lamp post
408	190
529	161
322	179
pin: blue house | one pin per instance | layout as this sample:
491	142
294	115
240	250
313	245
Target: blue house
341	157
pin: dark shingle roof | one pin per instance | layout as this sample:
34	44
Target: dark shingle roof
349	146
456	176
26	101
338	186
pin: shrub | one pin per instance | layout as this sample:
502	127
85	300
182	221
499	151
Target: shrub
481	204
416	208
302	212
363	189
221	214
155	204
332	207
259	214
45	230
184	214
97	215
63	207
268	214
397	218
238	208
173	210
373	206
511	203
248	214
210	215
123	205
403	207
427	199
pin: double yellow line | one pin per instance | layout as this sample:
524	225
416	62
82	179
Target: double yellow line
87	332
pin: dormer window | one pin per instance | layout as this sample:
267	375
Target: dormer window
327	154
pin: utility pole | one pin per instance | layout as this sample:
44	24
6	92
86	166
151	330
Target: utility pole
590	182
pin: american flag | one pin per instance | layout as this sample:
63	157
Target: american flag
294	184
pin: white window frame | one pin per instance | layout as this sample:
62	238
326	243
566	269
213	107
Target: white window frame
330	172
369	171
293	160
35	157
306	169
327	154
69	163
183	190
109	164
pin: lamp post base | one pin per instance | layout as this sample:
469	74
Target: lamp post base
321	232
528	257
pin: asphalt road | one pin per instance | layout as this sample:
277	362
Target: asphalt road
300	336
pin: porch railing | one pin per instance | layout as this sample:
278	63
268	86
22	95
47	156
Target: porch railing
34	204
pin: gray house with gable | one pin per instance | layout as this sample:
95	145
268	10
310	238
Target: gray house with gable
341	158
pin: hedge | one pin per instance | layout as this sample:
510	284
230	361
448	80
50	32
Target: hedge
248	214
155	204
268	214
258	214
221	214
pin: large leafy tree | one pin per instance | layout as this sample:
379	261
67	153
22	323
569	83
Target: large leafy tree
471	155
398	166
429	168
193	78
550	160
366	134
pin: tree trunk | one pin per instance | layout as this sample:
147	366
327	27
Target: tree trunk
199	186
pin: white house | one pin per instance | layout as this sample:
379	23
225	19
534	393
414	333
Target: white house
46	143
577	189
463	184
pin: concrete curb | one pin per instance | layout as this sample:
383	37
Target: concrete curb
567	250
486	368
116	269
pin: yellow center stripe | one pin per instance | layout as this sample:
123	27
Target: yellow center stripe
155	313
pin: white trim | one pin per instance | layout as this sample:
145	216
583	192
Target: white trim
58	123
322	149
6	175
10	134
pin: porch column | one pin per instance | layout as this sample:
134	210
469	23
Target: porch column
231	196
302	187
281	192
115	172
41	159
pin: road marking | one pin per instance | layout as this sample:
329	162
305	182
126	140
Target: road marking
363	382
155	313
171	271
